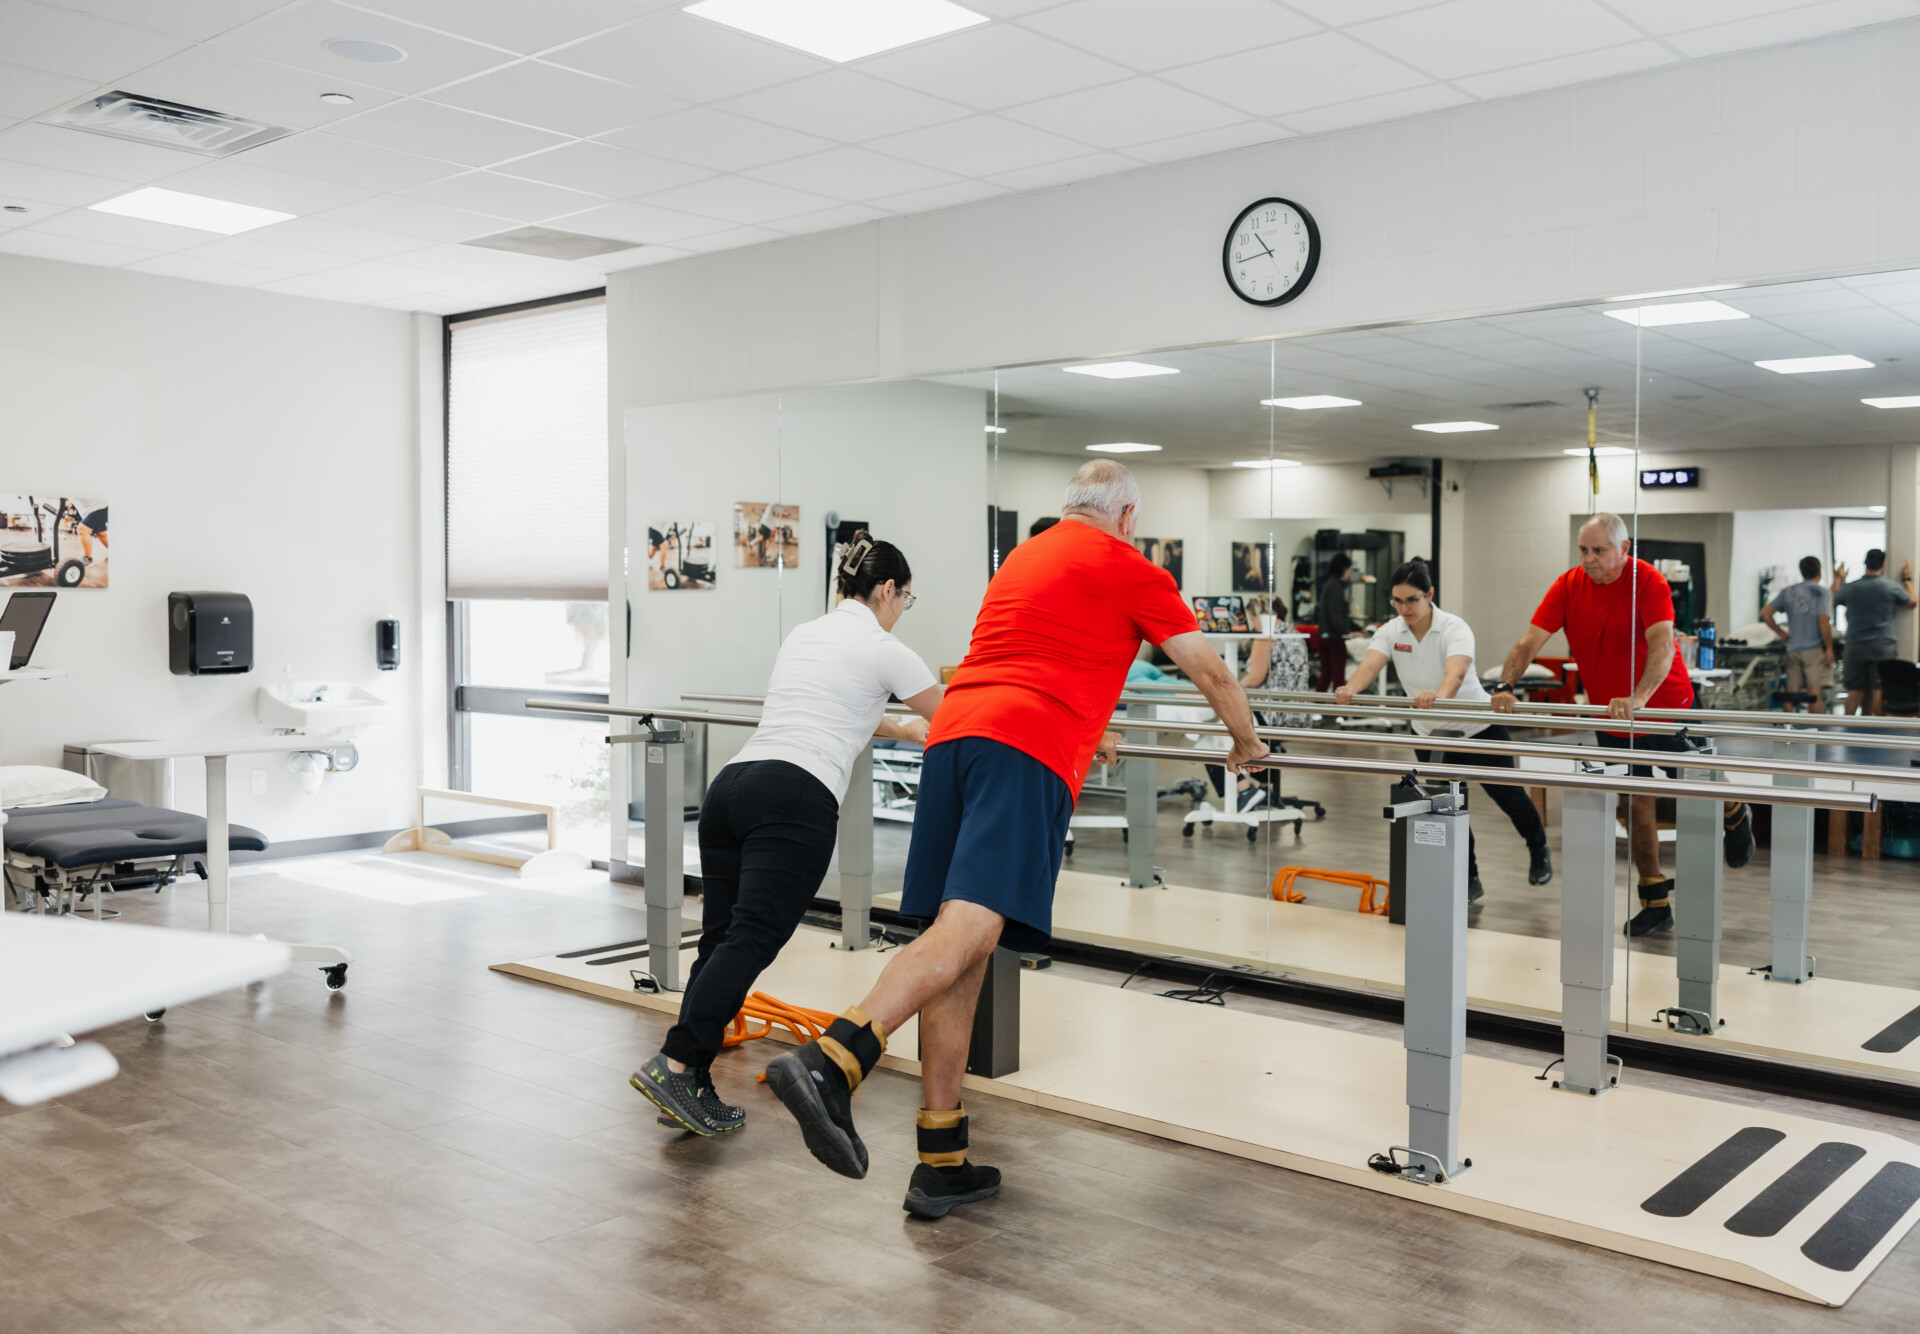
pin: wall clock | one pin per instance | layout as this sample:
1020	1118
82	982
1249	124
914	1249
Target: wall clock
1271	252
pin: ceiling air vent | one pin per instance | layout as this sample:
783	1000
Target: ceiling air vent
149	120
550	244
1530	403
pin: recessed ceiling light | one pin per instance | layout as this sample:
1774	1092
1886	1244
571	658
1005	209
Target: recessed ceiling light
1119	370
840	30
1675	291
1878	509
364	51
1680	312
1310	402
1908	401
1807	365
996	430
1450	428
1604	451
183	210
1268	463
337	99
1125	447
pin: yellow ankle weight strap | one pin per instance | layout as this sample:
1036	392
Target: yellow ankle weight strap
942	1137
855	1043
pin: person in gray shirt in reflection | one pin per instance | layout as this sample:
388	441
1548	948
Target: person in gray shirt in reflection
1808	607
1871	601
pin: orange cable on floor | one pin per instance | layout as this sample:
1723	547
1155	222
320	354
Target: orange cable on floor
1368	885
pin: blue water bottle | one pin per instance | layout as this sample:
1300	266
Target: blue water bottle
1708	638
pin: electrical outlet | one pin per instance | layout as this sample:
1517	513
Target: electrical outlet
259	782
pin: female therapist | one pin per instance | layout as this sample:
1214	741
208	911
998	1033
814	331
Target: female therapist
1432	653
768	825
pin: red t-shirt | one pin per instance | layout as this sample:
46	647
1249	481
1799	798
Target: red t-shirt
1606	627
1060	623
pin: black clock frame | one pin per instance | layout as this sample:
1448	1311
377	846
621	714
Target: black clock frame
1306	274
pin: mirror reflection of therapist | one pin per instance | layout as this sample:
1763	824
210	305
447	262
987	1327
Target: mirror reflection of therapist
1432	653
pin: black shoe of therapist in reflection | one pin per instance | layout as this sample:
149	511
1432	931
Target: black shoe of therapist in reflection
1540	865
1737	846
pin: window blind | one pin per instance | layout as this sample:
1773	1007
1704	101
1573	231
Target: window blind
527	455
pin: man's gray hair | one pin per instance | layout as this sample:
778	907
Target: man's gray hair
1101	487
1615	525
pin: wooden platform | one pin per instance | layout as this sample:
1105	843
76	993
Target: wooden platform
1826	1021
1321	1100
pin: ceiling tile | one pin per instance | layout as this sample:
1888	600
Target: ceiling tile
1152	34
940	196
639	257
831	219
242	86
1073	169
845	106
1135	111
395	274
980	146
619	172
1473	36
737	199
60	42
518	27
643	224
731	239
414	217
557	99
1372	110
1339	13
26	93
851	174
111	228
1790	26
49	185
241	182
477	263
335	237
714	139
1210	141
297	36
505	196
322	287
1294	76
992	67
1566	70
285	260
92	154
685	57
350	162
1663	16
446	132
44	245
206	270
194	19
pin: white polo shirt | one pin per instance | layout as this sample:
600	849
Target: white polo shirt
1421	664
828	692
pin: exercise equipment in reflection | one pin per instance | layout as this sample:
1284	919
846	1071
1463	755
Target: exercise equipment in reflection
1372	888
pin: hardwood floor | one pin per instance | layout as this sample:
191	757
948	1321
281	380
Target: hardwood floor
440	1147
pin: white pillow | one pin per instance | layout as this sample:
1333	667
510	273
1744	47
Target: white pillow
43	785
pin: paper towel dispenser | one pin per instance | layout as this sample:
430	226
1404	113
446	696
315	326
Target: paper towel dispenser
209	634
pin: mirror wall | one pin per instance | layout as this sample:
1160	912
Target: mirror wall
1284	482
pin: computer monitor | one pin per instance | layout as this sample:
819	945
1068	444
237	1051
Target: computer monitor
26	613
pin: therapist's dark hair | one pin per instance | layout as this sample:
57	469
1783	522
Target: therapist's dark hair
866	563
1876	560
1414	574
1339	565
1809	567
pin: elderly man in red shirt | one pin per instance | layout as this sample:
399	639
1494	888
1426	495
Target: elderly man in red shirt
1617	612
1025	714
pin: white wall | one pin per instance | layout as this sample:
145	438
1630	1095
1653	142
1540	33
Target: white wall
1776	540
1756	167
247	442
1173	502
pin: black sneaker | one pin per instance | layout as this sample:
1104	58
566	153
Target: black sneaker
1540	867
934	1191
1737	846
1475	890
1649	920
725	1115
815	1091
678	1096
1249	798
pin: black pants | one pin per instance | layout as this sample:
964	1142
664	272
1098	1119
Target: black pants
1514	801
766	835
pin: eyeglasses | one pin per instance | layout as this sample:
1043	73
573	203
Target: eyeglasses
1413	601
911	599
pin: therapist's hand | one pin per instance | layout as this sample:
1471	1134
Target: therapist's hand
1105	753
1343	694
1503	702
1243	751
1425	699
1622	707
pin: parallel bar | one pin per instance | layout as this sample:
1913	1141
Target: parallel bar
665	870
1791	878
856	855
1586	930
1143	806
219	837
1699	879
1435	1031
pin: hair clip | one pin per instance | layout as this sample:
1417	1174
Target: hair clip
855	555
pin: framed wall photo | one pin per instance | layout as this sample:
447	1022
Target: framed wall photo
679	555
53	542
765	535
1169	553
1252	567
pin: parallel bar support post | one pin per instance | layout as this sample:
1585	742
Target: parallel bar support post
665	870
1589	862
856	855
1435	1029
1792	874
995	1048
1143	806
1697	904
218	840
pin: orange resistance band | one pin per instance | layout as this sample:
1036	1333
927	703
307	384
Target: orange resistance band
1369	886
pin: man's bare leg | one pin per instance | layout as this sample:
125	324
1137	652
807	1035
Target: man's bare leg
961	938
1643	839
946	1036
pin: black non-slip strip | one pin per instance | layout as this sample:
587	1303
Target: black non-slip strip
1699	1183
1796	1188
1897	1035
621	958
581	954
941	1139
1847	1238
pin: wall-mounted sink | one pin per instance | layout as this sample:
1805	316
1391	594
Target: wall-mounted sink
330	708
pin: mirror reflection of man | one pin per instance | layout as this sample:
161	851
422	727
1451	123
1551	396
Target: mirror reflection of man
1617	612
1871	601
1808	633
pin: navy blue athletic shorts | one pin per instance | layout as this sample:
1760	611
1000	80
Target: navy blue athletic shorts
989	827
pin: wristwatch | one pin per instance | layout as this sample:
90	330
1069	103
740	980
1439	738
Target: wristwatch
1504	688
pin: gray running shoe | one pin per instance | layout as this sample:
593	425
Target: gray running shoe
683	1103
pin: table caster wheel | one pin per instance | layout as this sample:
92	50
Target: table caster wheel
1253	833
336	975
1068	852
1186	830
155	1016
1123	836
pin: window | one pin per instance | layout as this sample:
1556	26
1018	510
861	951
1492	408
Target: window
527	556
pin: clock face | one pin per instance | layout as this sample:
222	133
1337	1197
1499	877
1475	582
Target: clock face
1271	252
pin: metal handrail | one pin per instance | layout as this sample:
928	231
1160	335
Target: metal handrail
1452	773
